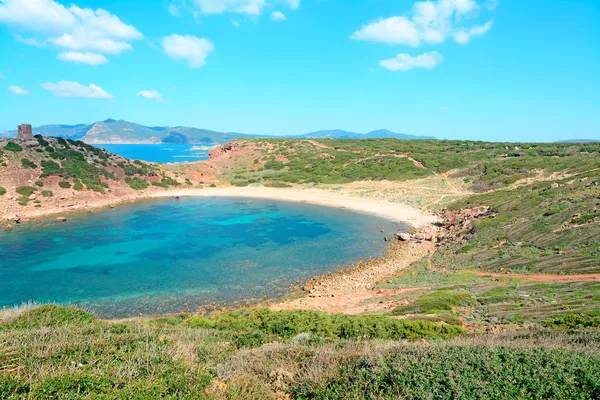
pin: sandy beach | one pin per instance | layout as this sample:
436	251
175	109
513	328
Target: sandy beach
393	211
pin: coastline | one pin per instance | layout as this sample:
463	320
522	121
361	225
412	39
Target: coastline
397	212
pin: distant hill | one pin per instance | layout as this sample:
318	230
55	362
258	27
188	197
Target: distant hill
378	134
113	131
579	141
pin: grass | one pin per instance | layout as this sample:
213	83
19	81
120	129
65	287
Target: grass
64	352
136	183
291	323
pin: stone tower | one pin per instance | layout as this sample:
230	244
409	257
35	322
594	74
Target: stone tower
25	132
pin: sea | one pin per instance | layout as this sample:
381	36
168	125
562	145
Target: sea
168	255
159	153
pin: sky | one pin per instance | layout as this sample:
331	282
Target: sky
457	69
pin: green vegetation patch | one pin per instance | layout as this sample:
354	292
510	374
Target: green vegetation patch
11	146
574	320
28	164
47	193
64	184
289	323
2	191
440	301
136	183
456	372
26	190
48	316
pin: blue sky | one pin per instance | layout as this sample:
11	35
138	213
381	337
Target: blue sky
461	69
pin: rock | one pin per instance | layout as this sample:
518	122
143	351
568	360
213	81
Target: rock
404	237
32	197
61	219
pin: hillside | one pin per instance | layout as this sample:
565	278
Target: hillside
55	174
112	131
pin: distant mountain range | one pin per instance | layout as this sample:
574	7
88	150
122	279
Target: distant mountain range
579	141
112	131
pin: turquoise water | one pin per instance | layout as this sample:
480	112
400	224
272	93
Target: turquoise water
166	255
162	153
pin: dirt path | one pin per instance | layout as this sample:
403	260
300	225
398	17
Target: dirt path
543	277
351	291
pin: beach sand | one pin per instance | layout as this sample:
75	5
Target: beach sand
393	211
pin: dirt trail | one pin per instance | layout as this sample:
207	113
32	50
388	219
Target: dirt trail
543	277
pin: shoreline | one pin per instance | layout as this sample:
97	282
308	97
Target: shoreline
396	212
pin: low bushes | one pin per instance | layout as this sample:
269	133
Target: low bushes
2	191
64	184
25	190
47	193
136	183
572	321
10	146
28	164
290	323
435	302
456	372
49	316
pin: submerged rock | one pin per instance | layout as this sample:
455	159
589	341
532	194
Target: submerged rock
61	219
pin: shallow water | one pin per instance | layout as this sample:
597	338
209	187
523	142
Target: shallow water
166	255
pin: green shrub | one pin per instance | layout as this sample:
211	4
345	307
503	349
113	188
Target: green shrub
212	185
2	191
78	185
39	183
435	302
136	183
50	168
10	146
572	321
290	323
47	193
28	164
26	190
41	140
23	201
251	339
64	184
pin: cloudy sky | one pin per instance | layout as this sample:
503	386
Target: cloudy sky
468	69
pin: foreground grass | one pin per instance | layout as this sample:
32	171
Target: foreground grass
53	352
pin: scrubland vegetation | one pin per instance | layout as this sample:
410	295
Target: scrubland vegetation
507	307
53	352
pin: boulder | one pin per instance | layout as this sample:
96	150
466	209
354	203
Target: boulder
403	237
61	219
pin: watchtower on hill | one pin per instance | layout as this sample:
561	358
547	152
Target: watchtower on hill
24	132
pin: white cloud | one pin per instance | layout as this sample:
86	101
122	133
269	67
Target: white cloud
151	94
293	4
84	58
1	76
30	41
188	48
72	28
405	62
278	16
248	7
19	91
463	36
76	90
429	22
